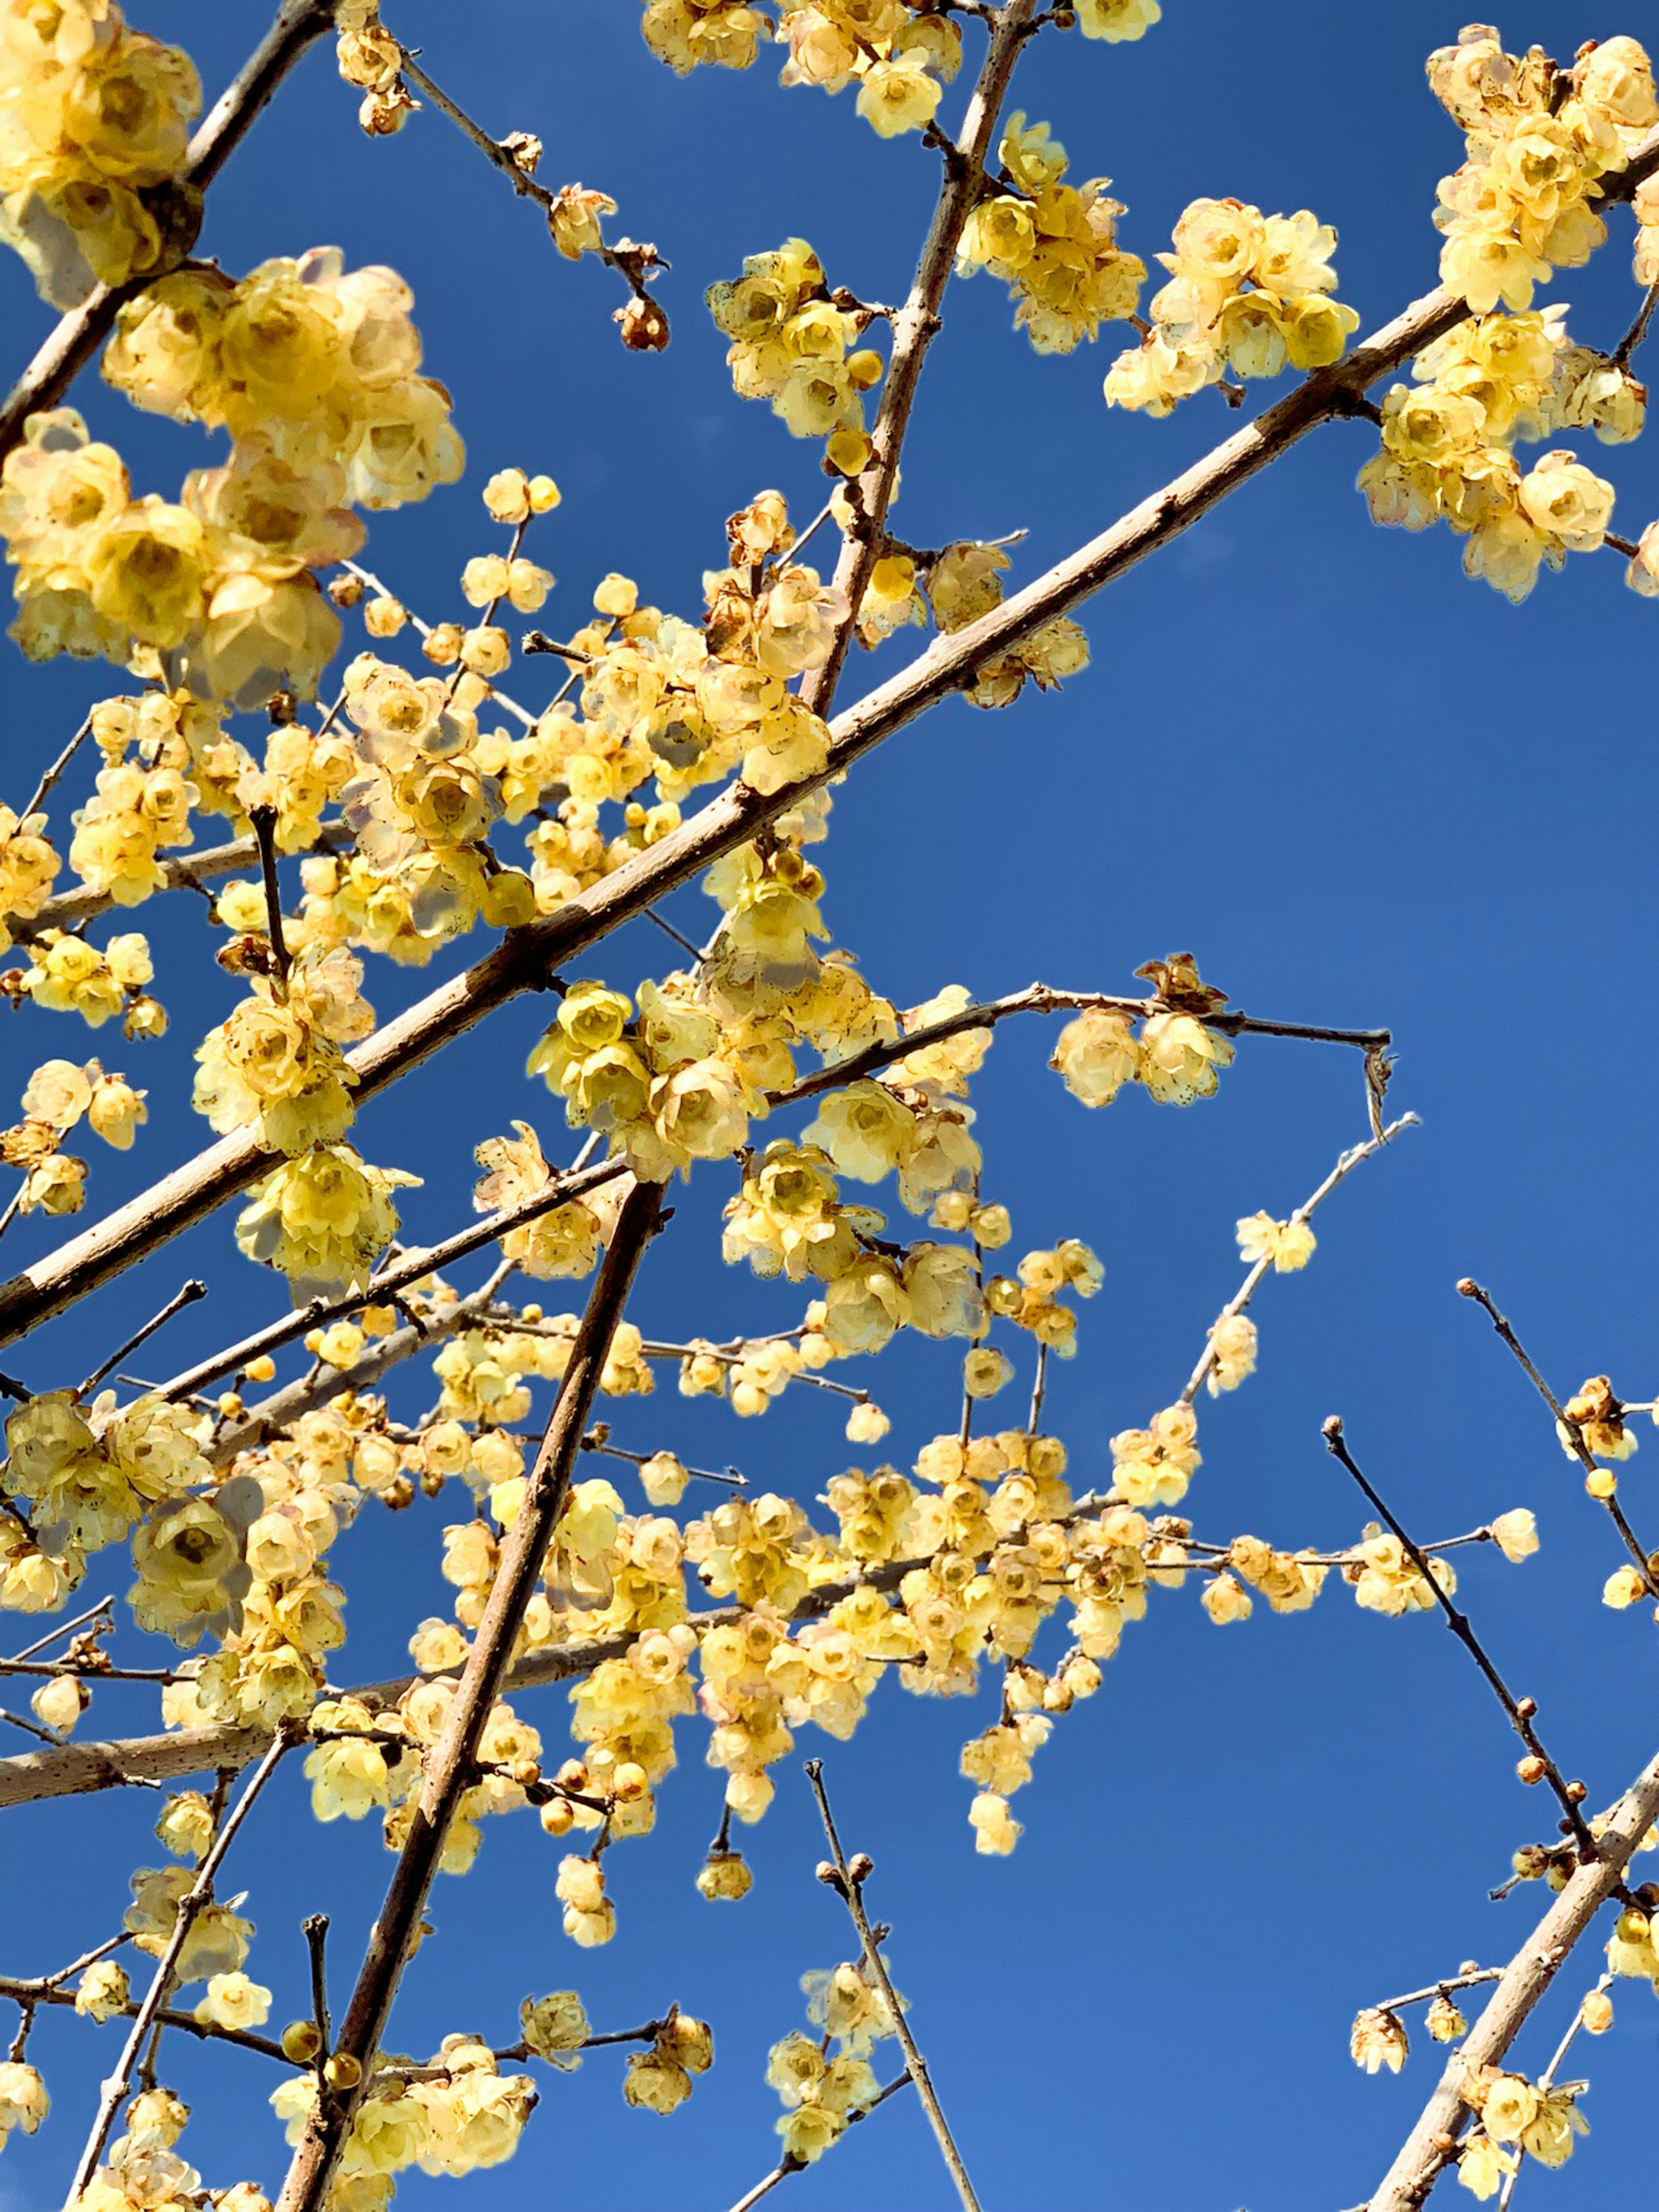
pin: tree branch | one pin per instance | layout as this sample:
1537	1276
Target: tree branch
848	1880
449	1769
1433	2140
525	956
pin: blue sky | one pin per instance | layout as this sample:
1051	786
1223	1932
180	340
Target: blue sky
1362	791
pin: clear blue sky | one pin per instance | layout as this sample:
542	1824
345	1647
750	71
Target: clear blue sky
1362	791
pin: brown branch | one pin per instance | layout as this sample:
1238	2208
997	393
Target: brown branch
525	956
914	326
1638	331
186	1295
51	1991
847	1879
78	335
1569	1796
1432	2142
183	871
52	774
72	1769
450	1768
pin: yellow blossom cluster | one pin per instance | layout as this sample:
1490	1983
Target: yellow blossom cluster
900	56
1054	245
1174	1056
66	975
322	1218
1540	2121
1247	292
276	1065
790	344
58	1095
821	2089
90	1473
29	867
1447	444
1540	142
462	2114
92	147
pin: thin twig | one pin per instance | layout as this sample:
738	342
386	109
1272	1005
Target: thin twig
264	819
1241	1298
1569	1796
57	769
1470	1979
148	2011
186	1295
1638	331
849	1881
1570	1430
786	2167
50	1990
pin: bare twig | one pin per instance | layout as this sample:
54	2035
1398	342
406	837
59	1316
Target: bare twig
1470	1979
1569	1796
849	1880
49	778
915	325
1638	331
264	819
186	1295
449	1768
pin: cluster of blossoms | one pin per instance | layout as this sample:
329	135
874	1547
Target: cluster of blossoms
1247	292
58	1096
95	133
822	2088
1539	145
1054	245
461	2114
29	867
900	54
790	340
68	976
313	370
1448	441
1172	1054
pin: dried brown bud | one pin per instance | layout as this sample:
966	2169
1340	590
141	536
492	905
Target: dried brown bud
248	954
345	591
644	324
861	1866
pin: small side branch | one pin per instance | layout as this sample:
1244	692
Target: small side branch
149	2009
849	1878
1537	1766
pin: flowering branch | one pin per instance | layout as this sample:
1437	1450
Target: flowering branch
50	1990
1537	1766
1571	1432
450	1766
789	2164
914	326
1433	2140
525	956
296	25
847	1879
1247	1290
148	2010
